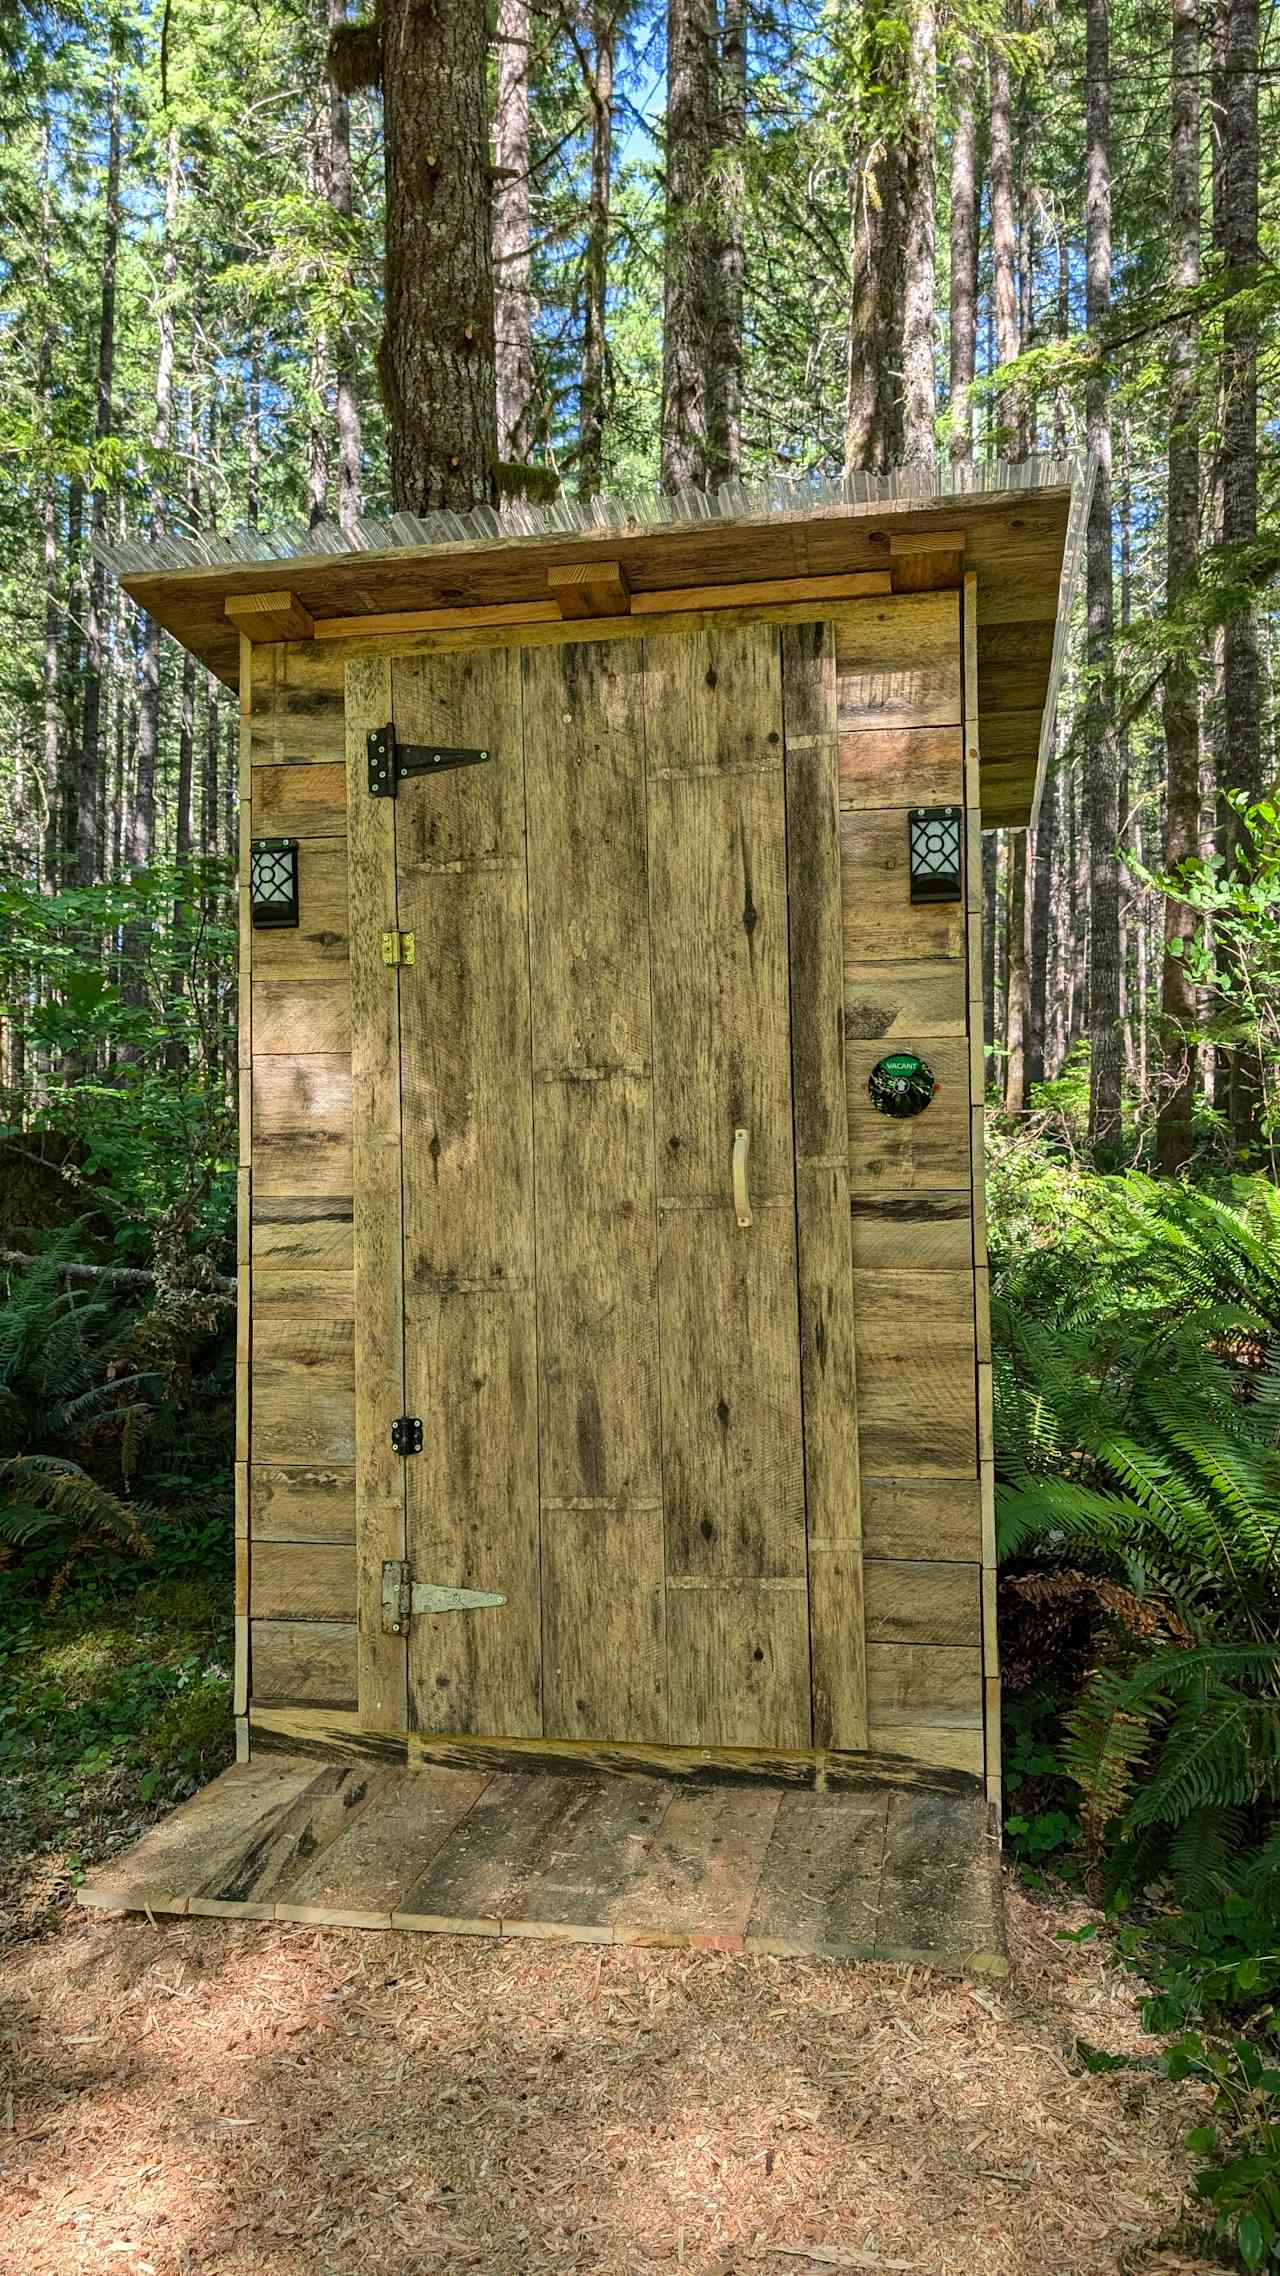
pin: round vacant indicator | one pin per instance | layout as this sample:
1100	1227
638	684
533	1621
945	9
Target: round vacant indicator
901	1085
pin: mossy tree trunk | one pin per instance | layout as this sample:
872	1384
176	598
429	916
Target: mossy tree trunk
690	292
436	361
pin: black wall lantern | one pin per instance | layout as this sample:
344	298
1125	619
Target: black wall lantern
933	841
273	881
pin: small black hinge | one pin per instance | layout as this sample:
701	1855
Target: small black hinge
390	762
406	1434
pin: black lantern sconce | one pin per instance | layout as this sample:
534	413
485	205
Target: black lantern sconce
933	845
273	881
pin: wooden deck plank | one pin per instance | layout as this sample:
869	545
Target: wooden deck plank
258	1872
360	1877
200	1838
938	1893
593	1854
475	1880
699	1880
820	1882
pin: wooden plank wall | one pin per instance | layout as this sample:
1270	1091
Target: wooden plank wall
901	744
922	1349
296	1479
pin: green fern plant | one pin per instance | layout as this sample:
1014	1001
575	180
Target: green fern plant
1138	1435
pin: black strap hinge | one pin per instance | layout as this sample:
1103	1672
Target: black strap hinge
390	762
406	1434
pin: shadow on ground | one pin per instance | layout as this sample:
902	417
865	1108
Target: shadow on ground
210	2098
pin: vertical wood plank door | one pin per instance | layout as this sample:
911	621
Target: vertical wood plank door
638	1412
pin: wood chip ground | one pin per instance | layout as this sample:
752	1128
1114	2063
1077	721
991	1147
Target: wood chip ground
224	2097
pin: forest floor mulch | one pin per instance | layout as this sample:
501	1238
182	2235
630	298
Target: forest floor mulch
201	2097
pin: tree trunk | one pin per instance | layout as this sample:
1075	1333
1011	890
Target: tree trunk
54	818
436	362
320	184
1178	1004
690	280
1242	725
724	391
513	306
964	256
209	772
1027	408
919	378
1041	851
1239	245
140	836
1099	740
990	864
1004	262
1019	995
71	671
186	748
597	66
873	434
346	399
1124	752
1061	423
1081	905
253	436
89	800
1004	268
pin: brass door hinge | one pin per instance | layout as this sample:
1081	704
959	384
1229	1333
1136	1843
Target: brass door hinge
397	948
402	1596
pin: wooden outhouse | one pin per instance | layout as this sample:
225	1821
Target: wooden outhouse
614	1361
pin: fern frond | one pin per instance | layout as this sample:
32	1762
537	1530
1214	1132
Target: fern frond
1219	1751
1203	1853
71	1418
1109	1736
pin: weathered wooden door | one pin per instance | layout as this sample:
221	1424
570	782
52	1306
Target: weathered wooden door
604	1207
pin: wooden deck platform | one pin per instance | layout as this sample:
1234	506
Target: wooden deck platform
877	1874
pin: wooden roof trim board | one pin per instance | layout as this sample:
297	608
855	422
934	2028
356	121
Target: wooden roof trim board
1072	562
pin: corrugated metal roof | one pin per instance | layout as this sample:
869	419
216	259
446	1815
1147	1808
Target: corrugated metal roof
614	512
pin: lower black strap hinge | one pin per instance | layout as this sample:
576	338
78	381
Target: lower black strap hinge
406	1434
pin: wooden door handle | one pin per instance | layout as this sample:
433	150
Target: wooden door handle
741	1197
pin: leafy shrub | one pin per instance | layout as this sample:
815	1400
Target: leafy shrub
138	1068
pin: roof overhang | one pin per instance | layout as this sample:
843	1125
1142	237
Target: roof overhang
1022	528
